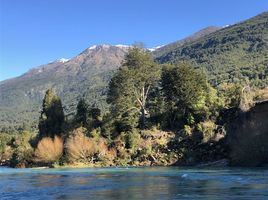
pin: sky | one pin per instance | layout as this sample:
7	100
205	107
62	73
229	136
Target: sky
35	32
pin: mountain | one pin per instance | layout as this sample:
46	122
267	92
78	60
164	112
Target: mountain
237	53
84	75
162	50
230	54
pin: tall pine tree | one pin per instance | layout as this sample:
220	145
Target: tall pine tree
52	116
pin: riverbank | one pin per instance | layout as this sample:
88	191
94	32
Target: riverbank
239	145
150	148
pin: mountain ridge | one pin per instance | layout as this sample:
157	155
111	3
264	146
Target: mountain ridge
83	75
239	51
173	45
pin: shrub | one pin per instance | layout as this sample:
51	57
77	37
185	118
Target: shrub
95	133
187	131
6	154
23	152
110	156
2	147
79	147
207	129
49	150
231	94
101	148
133	139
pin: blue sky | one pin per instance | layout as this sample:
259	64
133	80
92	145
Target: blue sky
34	32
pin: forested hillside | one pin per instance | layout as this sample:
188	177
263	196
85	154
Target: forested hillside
174	45
84	75
232	54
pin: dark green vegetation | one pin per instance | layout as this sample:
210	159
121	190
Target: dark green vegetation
174	45
234	54
154	114
52	116
130	88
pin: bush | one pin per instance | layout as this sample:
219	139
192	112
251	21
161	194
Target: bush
80	148
3	144
207	129
49	150
133	139
95	133
6	154
23	152
230	94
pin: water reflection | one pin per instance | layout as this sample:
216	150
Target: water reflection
135	183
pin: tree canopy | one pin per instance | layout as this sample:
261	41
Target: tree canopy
130	87
186	94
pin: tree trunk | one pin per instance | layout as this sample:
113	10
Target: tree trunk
141	97
142	119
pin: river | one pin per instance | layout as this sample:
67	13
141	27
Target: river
134	183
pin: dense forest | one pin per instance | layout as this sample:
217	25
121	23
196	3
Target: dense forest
159	114
235	54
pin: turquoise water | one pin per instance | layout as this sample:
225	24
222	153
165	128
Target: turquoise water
134	183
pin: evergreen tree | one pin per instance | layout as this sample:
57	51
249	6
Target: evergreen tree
82	112
52	116
94	119
88	117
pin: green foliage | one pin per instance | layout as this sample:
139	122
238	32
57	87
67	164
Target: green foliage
127	122
88	117
5	140
94	120
96	133
230	94
234	54
52	116
207	129
23	152
108	128
133	139
130	87
185	92
81	116
159	52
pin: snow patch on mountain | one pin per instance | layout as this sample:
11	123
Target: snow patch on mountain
62	60
122	46
93	47
227	25
154	48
